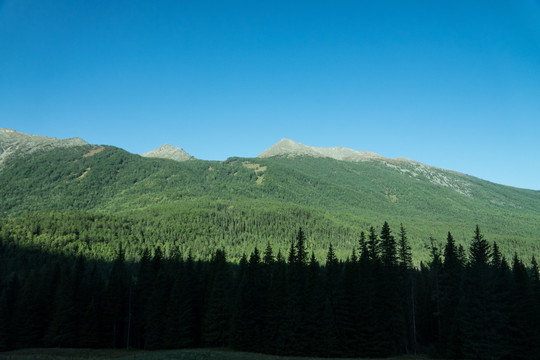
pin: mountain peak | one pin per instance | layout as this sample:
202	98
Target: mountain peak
167	151
14	143
290	148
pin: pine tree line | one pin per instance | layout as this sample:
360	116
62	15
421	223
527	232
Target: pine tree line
463	303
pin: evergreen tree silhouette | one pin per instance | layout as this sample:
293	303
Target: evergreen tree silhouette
480	316
116	301
217	312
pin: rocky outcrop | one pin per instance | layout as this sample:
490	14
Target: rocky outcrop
167	151
14	143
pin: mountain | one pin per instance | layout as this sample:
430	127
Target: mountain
167	151
13	143
290	148
112	197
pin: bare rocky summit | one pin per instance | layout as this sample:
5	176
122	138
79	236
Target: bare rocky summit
290	148
14	143
167	151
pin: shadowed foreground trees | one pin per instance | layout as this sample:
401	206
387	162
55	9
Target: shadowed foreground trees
460	305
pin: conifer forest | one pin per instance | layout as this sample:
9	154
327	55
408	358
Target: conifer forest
463	303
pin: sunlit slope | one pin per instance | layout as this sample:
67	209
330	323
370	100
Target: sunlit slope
266	199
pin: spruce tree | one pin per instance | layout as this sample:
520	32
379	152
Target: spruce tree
217	312
188	322
388	246
480	252
248	319
404	250
406	273
535	308
5	322
451	284
514	340
315	331
301	252
154	316
391	308
362	245
373	245
331	259
291	259
496	256
347	314
116	308
171	338
29	324
62	329
535	272
479	324
91	329
277	330
268	258
296	307
145	280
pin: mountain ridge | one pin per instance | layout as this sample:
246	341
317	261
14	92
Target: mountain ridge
291	148
14	143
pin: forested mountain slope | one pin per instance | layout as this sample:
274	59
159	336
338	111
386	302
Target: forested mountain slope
241	203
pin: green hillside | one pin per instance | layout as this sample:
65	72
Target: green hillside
241	203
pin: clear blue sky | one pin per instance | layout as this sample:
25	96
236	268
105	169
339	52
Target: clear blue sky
453	84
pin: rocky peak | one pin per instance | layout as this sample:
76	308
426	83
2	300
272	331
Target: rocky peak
290	148
167	151
14	143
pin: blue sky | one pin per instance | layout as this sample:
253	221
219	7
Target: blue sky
453	84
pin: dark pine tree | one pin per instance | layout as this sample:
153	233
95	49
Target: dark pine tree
373	245
334	307
348	317
5	322
248	320
301	252
217	312
296	308
388	247
404	250
277	323
91	328
182	317
8	301
29	325
407	295
390	305
315	334
171	335
362	245
479	325
62	329
155	316
145	279
116	304
535	295
268	258
451	316
520	327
